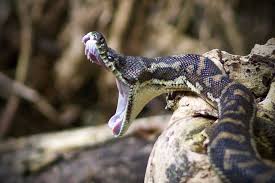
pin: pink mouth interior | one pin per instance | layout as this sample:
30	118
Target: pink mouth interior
116	121
91	50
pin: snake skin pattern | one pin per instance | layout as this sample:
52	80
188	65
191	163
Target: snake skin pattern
139	79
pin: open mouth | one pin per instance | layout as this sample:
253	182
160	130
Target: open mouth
117	120
91	50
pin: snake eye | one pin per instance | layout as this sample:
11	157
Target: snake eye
98	37
94	35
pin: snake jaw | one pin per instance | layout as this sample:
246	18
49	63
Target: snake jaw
116	122
132	96
94	52
91	49
98	52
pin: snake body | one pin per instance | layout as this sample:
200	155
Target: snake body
231	148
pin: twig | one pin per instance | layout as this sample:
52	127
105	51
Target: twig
120	23
44	150
22	66
14	89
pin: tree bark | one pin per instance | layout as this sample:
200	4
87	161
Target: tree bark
179	154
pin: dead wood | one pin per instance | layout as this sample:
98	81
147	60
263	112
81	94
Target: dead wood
179	154
81	155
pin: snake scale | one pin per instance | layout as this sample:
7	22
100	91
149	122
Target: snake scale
231	147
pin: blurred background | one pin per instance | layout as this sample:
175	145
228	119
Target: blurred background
47	84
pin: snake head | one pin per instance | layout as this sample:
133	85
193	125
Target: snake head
98	52
95	48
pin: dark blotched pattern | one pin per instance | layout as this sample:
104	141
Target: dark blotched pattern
231	150
232	153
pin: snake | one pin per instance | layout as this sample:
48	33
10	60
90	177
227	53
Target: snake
232	151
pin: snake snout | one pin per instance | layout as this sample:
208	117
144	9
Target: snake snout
91	50
86	38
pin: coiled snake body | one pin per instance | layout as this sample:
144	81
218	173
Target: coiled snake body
139	79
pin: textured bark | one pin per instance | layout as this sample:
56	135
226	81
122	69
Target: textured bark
179	154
